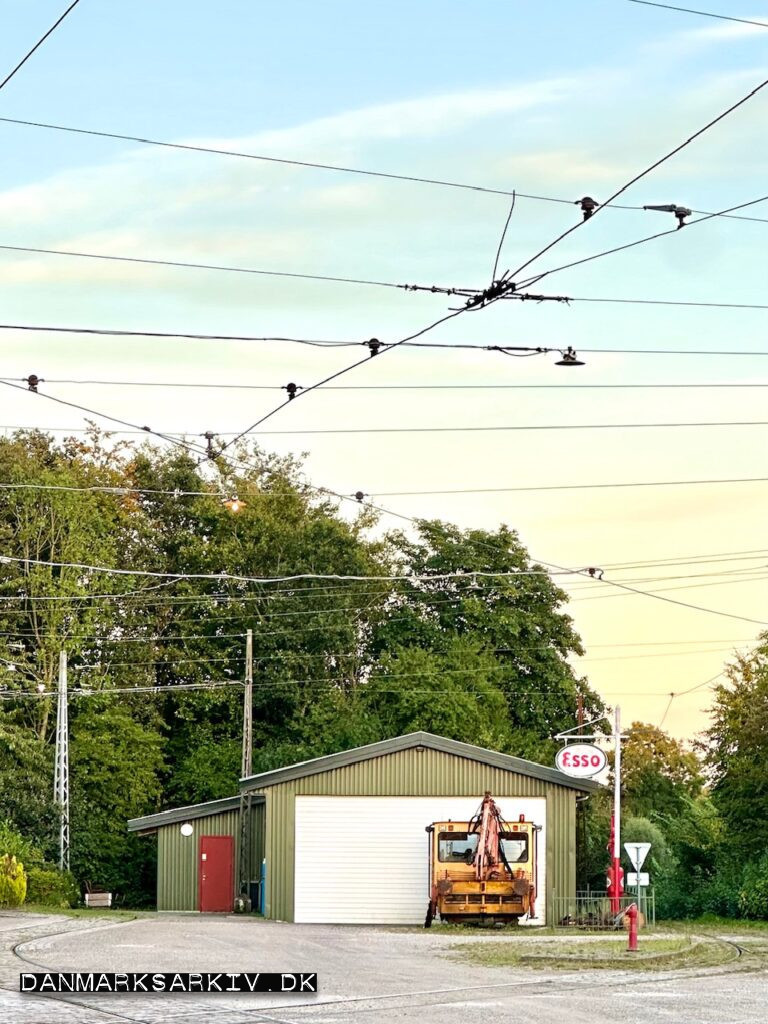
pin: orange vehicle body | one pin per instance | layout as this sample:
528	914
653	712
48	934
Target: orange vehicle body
483	869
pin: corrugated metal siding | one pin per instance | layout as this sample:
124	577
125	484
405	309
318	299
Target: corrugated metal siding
177	858
258	817
177	855
412	773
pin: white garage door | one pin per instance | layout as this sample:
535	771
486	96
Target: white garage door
365	860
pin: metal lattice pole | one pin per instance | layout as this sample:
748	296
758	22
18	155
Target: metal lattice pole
246	769
61	769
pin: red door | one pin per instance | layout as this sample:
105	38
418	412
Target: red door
216	874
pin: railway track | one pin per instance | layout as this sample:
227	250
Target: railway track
172	1010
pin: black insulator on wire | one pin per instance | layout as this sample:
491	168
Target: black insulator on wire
32	381
291	389
588	206
374	345
209	436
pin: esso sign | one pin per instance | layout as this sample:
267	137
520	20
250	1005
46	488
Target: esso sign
581	760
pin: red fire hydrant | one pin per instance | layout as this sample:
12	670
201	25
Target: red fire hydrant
632	915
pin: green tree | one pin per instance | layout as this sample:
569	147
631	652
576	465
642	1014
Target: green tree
452	693
659	777
736	753
511	611
26	784
48	608
116	770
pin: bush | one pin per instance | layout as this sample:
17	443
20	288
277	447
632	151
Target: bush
14	844
753	897
52	888
13	882
692	894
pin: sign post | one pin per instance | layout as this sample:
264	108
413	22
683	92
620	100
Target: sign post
568	765
637	852
617	882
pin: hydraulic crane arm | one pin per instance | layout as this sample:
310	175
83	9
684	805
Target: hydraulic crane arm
488	824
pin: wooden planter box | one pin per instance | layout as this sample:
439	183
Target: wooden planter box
98	899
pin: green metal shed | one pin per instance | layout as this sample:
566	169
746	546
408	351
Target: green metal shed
341	826
333	831
179	832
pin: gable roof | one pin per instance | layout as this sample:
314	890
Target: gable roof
428	740
152	822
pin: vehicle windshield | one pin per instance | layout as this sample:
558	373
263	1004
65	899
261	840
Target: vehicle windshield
456	847
515	846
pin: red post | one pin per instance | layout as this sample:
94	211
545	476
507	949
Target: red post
615	879
632	915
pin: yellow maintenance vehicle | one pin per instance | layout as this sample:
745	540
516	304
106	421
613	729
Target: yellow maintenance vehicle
483	869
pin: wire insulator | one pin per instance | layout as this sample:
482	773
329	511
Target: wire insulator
374	345
32	381
588	206
359	495
292	389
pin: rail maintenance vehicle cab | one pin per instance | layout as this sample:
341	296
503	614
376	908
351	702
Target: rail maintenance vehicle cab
483	869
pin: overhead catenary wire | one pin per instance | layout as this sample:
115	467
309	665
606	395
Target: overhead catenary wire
366	597
669	302
691	689
643	174
334	376
108	666
463	429
630	245
498	294
188	265
627	592
503	236
279	495
320	686
458	345
406	518
412	520
612	485
573	578
157	639
703	14
223	600
387	387
459	429
682	604
233	577
108	416
315	165
707	556
38	44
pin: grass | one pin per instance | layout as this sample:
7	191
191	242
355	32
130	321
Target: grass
712	924
115	915
601	954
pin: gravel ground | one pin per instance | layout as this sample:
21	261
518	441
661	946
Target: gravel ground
367	974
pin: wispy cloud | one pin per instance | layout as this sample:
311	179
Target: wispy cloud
440	114
690	41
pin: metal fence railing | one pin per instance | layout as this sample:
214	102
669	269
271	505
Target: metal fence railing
590	910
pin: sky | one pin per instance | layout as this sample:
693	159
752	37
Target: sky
554	99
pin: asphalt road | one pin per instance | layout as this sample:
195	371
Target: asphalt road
365	974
